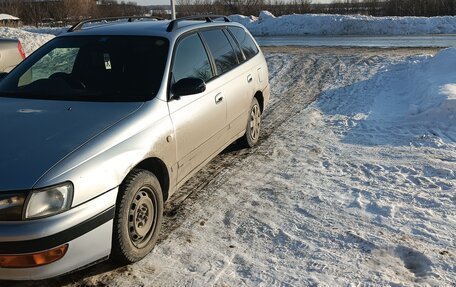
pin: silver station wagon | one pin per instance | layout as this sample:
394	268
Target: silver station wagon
101	125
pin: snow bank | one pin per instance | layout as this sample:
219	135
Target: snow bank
46	30
435	100
322	24
415	98
7	17
30	41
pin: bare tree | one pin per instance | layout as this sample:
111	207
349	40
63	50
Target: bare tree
32	12
11	7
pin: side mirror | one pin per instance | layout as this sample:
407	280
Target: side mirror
2	75
188	86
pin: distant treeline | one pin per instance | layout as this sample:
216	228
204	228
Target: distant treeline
63	12
281	7
426	8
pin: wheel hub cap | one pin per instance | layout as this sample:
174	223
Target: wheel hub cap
255	122
141	217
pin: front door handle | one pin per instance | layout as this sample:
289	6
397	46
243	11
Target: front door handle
218	98
249	78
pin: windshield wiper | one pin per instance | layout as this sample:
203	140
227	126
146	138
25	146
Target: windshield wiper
79	95
20	94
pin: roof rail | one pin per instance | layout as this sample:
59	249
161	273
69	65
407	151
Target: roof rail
209	18
79	25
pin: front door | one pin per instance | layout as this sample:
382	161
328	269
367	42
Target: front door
199	120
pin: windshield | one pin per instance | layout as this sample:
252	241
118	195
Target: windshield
91	68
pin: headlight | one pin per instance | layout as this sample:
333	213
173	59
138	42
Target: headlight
11	206
49	201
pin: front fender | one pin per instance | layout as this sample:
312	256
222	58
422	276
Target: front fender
104	162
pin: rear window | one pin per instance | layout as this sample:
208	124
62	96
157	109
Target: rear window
91	68
246	42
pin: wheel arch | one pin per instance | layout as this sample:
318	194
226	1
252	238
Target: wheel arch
259	96
160	170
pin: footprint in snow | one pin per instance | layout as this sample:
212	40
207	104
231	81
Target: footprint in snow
363	244
229	215
316	267
326	164
415	261
304	212
430	171
406	263
376	209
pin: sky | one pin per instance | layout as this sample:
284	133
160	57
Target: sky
160	2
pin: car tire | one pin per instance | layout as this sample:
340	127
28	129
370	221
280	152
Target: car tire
252	131
138	217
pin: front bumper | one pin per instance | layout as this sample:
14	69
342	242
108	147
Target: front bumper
87	229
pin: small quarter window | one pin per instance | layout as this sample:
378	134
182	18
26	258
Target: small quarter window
191	60
245	41
224	55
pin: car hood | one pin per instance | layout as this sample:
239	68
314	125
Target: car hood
36	134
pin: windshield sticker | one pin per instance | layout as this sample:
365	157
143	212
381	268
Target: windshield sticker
107	61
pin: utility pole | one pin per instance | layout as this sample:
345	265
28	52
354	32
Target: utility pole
173	10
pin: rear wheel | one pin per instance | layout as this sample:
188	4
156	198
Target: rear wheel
139	213
252	132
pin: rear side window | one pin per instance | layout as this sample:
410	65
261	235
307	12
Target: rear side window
224	55
245	41
191	60
235	46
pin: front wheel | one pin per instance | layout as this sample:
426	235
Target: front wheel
252	132
139	213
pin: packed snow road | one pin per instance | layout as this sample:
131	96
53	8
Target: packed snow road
352	184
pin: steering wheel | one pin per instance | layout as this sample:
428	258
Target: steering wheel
69	79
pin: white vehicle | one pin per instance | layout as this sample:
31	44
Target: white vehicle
11	54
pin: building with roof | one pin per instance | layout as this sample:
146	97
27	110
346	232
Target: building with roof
9	20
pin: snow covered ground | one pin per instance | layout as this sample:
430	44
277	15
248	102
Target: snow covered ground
321	24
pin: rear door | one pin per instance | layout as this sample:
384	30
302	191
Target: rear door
253	65
199	120
233	78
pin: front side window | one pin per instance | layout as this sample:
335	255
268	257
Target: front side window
245	41
91	68
191	60
224	55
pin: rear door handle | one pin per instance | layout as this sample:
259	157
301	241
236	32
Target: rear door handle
249	78
218	98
